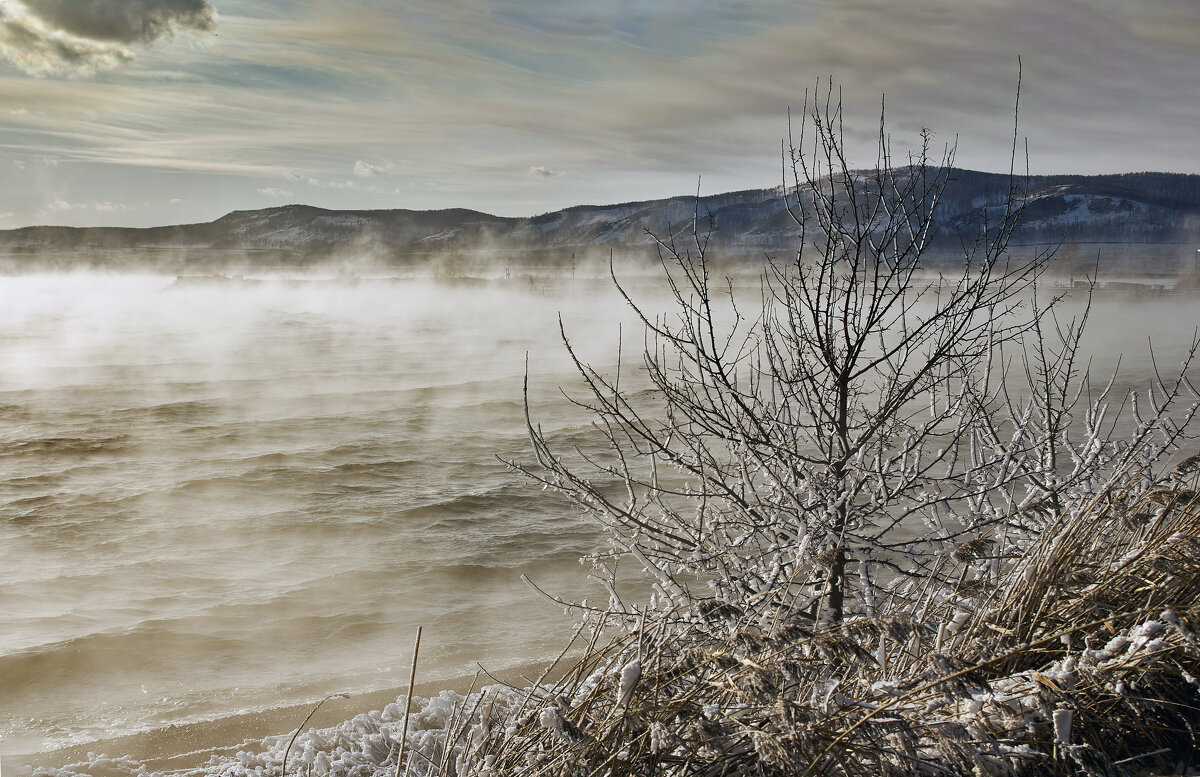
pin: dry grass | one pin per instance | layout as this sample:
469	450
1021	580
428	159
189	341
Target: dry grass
1077	654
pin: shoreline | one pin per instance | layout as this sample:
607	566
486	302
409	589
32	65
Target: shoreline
191	745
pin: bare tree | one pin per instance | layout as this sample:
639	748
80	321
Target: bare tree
860	424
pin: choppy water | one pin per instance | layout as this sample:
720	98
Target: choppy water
227	496
218	497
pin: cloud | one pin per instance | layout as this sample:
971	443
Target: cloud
506	101
39	50
272	191
367	170
124	21
69	37
63	206
344	184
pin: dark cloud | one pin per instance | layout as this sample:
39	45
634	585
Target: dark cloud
26	44
72	37
124	21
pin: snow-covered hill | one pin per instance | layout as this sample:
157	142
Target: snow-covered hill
1154	208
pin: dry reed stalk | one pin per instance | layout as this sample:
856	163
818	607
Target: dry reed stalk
412	679
1013	679
307	718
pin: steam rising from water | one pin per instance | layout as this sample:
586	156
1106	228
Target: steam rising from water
222	496
225	495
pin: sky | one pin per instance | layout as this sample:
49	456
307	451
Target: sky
147	112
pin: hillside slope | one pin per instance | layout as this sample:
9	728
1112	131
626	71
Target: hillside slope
1139	208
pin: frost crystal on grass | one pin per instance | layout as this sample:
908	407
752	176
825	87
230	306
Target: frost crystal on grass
630	674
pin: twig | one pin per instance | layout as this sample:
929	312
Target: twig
304	722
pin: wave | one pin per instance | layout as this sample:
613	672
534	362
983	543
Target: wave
174	412
54	447
81	660
283	482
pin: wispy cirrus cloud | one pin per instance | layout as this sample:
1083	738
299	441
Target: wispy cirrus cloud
522	106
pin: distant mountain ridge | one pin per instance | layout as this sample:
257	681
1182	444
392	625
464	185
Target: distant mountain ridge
1134	208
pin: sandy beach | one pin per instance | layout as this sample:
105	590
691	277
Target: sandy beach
180	747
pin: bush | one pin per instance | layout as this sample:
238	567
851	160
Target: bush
888	526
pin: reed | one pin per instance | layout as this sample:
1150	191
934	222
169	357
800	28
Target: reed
288	750
1078	654
412	679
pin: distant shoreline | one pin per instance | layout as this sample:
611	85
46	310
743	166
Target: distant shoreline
1115	260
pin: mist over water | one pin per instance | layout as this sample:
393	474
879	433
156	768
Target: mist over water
224	496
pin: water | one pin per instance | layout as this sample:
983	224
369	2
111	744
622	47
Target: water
229	496
218	497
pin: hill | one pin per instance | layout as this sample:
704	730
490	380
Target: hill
1153	217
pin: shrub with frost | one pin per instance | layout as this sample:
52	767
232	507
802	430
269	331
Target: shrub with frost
890	523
